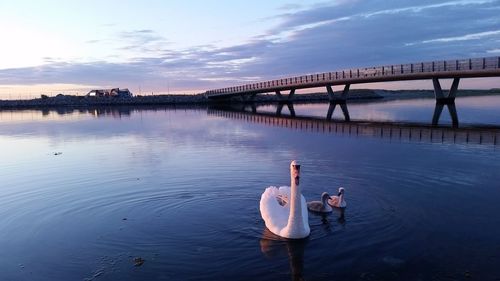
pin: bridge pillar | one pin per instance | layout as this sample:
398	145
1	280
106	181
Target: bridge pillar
254	108
282	98
343	96
448	100
343	106
279	109
439	94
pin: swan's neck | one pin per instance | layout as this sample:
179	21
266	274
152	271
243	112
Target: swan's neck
324	200
295	219
341	198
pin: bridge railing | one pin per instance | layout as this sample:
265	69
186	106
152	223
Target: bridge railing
464	65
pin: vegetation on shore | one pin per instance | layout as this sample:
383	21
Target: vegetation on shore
355	94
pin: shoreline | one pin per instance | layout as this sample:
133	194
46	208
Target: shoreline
358	95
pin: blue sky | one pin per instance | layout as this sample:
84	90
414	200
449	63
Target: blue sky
191	46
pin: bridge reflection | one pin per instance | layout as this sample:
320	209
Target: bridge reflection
411	132
343	106
252	107
438	109
280	106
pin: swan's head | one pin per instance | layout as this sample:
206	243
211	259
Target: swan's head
341	191
295	166
295	171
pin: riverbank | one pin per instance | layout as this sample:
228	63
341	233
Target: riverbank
200	99
84	101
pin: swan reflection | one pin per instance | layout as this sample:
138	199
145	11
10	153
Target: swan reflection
328	219
273	246
338	214
341	217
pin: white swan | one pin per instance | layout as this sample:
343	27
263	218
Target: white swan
284	209
338	201
320	206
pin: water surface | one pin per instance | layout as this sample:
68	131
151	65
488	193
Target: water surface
84	193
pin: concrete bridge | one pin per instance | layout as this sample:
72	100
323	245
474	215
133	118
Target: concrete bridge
435	70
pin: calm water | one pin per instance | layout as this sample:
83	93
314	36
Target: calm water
181	189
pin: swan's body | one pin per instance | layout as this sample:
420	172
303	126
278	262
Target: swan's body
284	209
320	206
338	201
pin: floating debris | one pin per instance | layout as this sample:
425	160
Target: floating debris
57	153
138	261
124	219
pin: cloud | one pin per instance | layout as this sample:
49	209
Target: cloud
290	7
325	37
474	36
94	41
141	41
142	36
357	10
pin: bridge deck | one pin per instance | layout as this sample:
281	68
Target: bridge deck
465	68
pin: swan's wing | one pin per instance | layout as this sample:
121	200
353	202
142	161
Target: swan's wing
274	215
283	195
315	206
285	191
333	201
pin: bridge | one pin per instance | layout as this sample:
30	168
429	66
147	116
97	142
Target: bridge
434	70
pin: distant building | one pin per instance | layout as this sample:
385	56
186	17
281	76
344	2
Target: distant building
115	92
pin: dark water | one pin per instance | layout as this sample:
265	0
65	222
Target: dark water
181	189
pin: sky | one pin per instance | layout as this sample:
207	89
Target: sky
190	46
